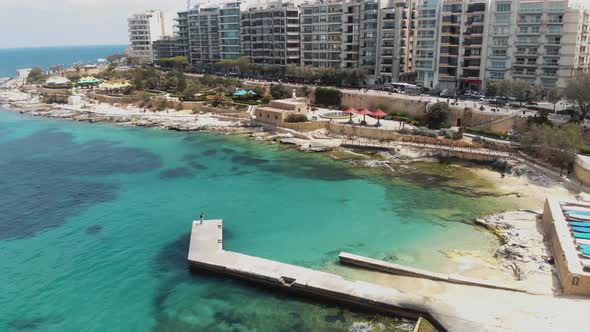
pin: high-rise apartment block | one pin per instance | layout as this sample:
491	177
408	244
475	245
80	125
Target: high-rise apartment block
270	34
144	29
439	44
541	42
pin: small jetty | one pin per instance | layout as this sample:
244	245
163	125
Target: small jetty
206	254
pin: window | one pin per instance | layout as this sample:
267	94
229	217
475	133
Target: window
495	75
503	7
499	52
498	64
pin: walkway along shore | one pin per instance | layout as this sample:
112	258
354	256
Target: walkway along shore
461	309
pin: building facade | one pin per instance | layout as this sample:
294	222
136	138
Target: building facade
395	41
440	44
144	29
270	34
542	42
168	47
426	42
461	45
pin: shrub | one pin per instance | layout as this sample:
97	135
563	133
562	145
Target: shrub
296	117
491	134
279	91
328	97
405	131
438	116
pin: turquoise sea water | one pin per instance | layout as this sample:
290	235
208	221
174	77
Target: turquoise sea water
95	224
12	59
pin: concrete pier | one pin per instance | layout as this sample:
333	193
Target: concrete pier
448	306
397	269
206	253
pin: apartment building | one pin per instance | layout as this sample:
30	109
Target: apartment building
270	34
144	29
340	34
229	30
536	41
439	44
167	47
461	42
322	35
210	33
395	41
426	38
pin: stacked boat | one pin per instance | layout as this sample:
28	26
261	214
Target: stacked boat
578	218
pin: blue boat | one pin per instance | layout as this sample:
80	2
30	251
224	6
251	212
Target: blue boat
584	213
581	229
585	236
584	246
586	252
579	224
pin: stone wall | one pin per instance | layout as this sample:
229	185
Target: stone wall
380	134
114	99
415	108
582	169
305	126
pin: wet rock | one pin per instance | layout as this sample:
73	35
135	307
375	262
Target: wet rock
360	327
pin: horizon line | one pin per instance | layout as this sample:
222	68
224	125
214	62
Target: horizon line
56	46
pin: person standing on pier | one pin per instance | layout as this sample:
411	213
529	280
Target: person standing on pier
202	217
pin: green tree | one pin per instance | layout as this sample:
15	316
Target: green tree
36	75
491	89
538	91
328	97
279	91
519	89
558	145
577	91
179	63
190	91
243	64
438	116
554	96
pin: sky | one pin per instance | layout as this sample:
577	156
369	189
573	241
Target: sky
34	23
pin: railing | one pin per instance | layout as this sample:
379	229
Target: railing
442	147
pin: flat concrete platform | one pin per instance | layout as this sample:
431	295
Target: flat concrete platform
206	253
397	269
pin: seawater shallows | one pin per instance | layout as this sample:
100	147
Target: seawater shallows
95	221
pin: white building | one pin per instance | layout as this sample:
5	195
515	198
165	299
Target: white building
543	42
144	29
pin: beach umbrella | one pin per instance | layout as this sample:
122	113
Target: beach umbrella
378	114
364	112
350	111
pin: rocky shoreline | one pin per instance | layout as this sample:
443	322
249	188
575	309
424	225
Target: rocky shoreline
522	250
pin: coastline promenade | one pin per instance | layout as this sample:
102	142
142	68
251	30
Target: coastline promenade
452	307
